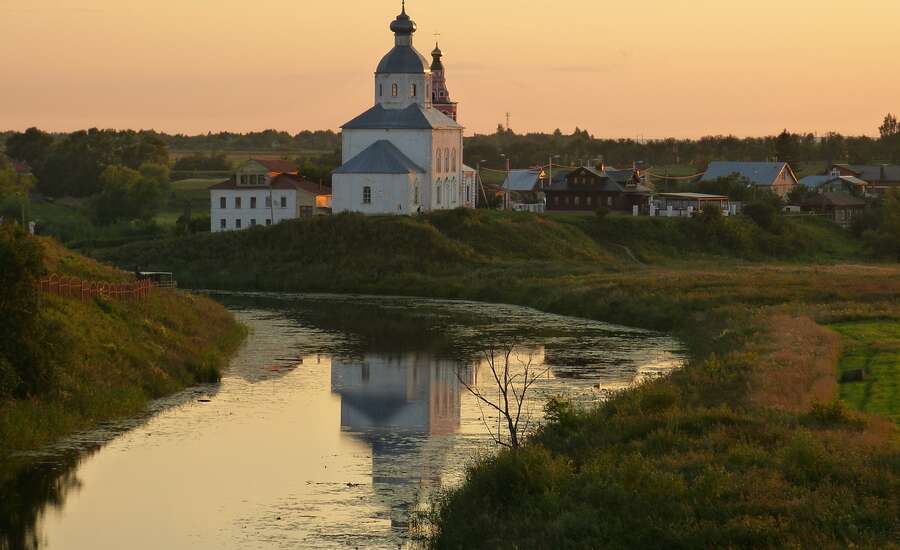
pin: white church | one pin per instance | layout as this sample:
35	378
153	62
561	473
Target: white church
405	154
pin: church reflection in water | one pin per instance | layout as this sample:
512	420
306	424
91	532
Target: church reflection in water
401	405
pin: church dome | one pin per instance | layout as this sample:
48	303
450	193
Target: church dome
403	60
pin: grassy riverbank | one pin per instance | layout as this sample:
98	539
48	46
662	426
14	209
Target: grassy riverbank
110	357
747	446
874	348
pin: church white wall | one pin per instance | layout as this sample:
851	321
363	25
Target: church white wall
449	180
384	90
262	214
390	193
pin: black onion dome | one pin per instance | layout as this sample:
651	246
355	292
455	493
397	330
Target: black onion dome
403	24
436	54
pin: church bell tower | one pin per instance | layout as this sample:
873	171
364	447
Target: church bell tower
440	96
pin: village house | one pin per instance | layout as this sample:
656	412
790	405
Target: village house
687	204
841	208
589	188
879	177
265	192
524	190
849	185
776	177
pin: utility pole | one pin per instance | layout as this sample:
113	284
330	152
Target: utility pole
481	182
507	121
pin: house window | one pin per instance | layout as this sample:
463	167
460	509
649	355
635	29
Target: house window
252	202
237	202
269	201
284	202
223	203
268	221
223	224
577	201
253	223
237	223
589	200
609	201
367	195
394	89
243	179
413	90
556	200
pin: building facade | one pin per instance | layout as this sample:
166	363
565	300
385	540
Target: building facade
402	156
263	192
588	188
777	177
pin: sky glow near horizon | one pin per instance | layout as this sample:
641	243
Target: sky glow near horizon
641	68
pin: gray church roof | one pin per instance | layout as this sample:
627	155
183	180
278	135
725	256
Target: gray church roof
402	60
757	173
413	117
382	157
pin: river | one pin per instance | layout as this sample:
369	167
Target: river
333	427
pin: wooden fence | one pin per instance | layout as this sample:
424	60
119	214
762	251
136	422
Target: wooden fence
80	289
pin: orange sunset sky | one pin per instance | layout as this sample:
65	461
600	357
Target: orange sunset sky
651	68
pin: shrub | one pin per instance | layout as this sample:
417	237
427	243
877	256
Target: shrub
602	212
764	214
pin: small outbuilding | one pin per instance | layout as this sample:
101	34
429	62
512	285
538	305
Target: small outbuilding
838	207
687	204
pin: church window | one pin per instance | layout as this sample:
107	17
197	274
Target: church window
380	90
222	203
252	202
437	161
413	90
454	160
284	202
237	202
416	194
438	192
367	195
467	194
394	89
446	160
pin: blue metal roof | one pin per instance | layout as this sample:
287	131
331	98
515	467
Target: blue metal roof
757	173
521	180
382	157
413	117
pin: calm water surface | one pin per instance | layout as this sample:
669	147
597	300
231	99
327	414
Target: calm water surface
334	425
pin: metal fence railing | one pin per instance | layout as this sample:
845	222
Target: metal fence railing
82	289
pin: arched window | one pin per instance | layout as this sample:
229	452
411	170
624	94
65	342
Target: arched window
413	90
437	161
454	160
380	90
447	160
394	90
438	192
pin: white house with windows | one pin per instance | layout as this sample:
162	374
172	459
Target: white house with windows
403	155
264	192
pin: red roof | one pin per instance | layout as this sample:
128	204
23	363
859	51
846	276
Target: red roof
282	181
280	166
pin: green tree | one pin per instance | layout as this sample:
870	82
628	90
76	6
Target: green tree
32	146
30	350
787	146
127	194
889	233
890	127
